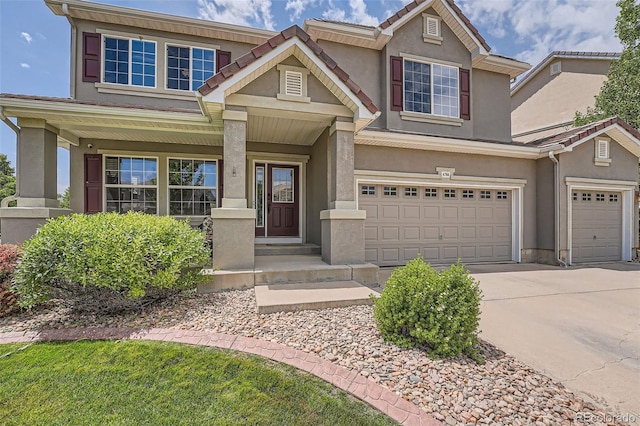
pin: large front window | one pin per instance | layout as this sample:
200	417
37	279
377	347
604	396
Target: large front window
131	62
192	187
189	67
131	183
431	89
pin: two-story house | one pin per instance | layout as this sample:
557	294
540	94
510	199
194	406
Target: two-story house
375	143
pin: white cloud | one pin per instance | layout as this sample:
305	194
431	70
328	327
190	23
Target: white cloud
239	12
25	65
297	7
26	36
536	28
358	13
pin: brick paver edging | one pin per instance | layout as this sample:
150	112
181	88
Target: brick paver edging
362	388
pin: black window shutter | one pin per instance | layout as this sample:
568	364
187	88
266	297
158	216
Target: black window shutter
396	83
222	59
465	95
91	57
93	183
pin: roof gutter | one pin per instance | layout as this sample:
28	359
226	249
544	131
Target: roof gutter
556	207
5	201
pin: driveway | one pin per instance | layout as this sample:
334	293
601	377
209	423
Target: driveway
580	326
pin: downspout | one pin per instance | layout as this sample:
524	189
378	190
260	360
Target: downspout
556	208
74	44
5	202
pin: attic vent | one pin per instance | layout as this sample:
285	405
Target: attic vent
556	68
293	83
431	31
603	149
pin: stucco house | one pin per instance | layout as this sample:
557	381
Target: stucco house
544	101
374	143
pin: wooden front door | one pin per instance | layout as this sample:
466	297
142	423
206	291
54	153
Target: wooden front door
282	199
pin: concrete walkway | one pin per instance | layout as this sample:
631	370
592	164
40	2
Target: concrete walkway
366	390
580	326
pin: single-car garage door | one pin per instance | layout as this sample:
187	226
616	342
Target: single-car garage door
442	224
597	226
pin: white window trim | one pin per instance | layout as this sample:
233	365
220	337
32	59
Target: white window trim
282	95
430	38
166	65
597	159
106	185
516	186
626	190
130	38
423	116
170	187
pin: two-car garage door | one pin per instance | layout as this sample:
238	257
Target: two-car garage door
442	224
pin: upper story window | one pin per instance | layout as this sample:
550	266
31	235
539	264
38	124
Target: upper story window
189	67
129	61
431	89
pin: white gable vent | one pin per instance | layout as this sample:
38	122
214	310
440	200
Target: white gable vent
293	83
603	149
556	68
431	31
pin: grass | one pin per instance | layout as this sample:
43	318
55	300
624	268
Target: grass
156	383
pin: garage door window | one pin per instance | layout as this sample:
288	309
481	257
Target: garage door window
575	196
430	192
501	195
485	195
368	190
449	193
411	192
586	196
468	193
613	198
390	191
600	198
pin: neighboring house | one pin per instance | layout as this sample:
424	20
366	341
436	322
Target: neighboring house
378	144
545	100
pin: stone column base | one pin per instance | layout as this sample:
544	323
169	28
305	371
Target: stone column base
342	236
20	223
233	238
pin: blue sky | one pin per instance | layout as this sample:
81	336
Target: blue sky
34	43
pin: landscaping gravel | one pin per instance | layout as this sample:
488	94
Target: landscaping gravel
503	391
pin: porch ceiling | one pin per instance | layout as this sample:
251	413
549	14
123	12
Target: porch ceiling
284	130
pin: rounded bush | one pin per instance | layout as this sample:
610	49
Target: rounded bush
439	310
109	260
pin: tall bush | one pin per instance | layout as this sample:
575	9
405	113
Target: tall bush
421	306
108	261
9	256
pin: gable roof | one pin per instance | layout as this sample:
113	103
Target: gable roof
573	137
389	22
562	54
254	54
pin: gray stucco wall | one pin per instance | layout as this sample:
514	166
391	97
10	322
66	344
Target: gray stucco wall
545	201
317	187
89	92
415	161
490	105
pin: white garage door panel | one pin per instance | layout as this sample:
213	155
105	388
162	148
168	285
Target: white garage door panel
596	226
442	229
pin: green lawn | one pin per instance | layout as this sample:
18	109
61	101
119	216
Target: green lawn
155	383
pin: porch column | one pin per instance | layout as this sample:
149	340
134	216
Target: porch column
37	182
342	226
234	223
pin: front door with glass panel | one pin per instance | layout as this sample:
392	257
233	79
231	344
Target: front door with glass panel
277	200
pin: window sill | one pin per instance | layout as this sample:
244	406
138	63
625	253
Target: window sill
121	89
304	99
603	162
428	118
432	39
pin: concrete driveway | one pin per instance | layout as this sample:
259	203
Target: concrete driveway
580	326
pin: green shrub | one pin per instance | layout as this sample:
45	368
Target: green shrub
421	306
109	261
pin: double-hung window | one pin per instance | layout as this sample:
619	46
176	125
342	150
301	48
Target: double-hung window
129	61
131	183
431	88
189	67
192	187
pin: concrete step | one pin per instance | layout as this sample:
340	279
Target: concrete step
315	295
286	249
